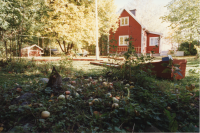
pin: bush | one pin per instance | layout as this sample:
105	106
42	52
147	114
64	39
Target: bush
185	47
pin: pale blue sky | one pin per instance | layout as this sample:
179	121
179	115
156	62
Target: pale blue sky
121	3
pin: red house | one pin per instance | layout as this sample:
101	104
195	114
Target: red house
144	40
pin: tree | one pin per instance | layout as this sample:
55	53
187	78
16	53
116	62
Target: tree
72	21
16	18
184	16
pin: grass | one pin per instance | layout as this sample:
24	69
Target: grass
141	105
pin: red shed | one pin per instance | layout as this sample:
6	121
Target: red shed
31	51
144	41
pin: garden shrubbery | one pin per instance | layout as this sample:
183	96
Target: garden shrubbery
188	48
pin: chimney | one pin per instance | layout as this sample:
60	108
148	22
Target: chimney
133	12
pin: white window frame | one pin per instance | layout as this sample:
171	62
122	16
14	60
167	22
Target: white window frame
124	40
123	19
155	38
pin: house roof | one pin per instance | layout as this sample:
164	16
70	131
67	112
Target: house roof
120	12
29	47
143	27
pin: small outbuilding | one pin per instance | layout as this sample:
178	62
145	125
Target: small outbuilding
32	51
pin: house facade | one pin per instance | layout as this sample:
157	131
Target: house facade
143	40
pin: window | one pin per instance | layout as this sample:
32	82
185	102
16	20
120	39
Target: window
124	21
122	40
153	41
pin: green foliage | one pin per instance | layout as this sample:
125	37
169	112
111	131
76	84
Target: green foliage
188	48
173	124
141	104
184	18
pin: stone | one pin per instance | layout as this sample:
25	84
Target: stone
55	80
26	98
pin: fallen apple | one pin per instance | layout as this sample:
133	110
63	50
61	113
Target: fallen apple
115	100
104	79
68	97
110	87
105	84
168	108
96	100
45	114
73	82
76	94
90	103
115	105
96	113
110	83
67	92
117	97
18	89
108	95
127	85
61	97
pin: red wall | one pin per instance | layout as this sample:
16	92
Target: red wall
150	48
133	29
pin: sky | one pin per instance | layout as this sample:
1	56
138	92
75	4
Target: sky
121	3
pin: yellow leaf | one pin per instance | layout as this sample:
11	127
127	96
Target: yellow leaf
50	100
52	95
30	105
1	129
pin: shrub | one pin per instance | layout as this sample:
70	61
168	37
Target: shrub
185	47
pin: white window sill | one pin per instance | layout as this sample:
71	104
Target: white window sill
153	45
123	44
124	25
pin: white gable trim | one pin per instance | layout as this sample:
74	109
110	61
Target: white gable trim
142	47
36	46
29	47
131	16
157	33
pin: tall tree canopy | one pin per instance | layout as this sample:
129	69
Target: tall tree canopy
72	21
184	16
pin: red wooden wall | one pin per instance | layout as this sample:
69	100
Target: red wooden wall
133	29
150	48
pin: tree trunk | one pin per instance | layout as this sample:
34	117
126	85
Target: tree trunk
64	46
68	48
190	44
18	45
10	49
6	50
60	45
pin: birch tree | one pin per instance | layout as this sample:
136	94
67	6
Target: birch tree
184	16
